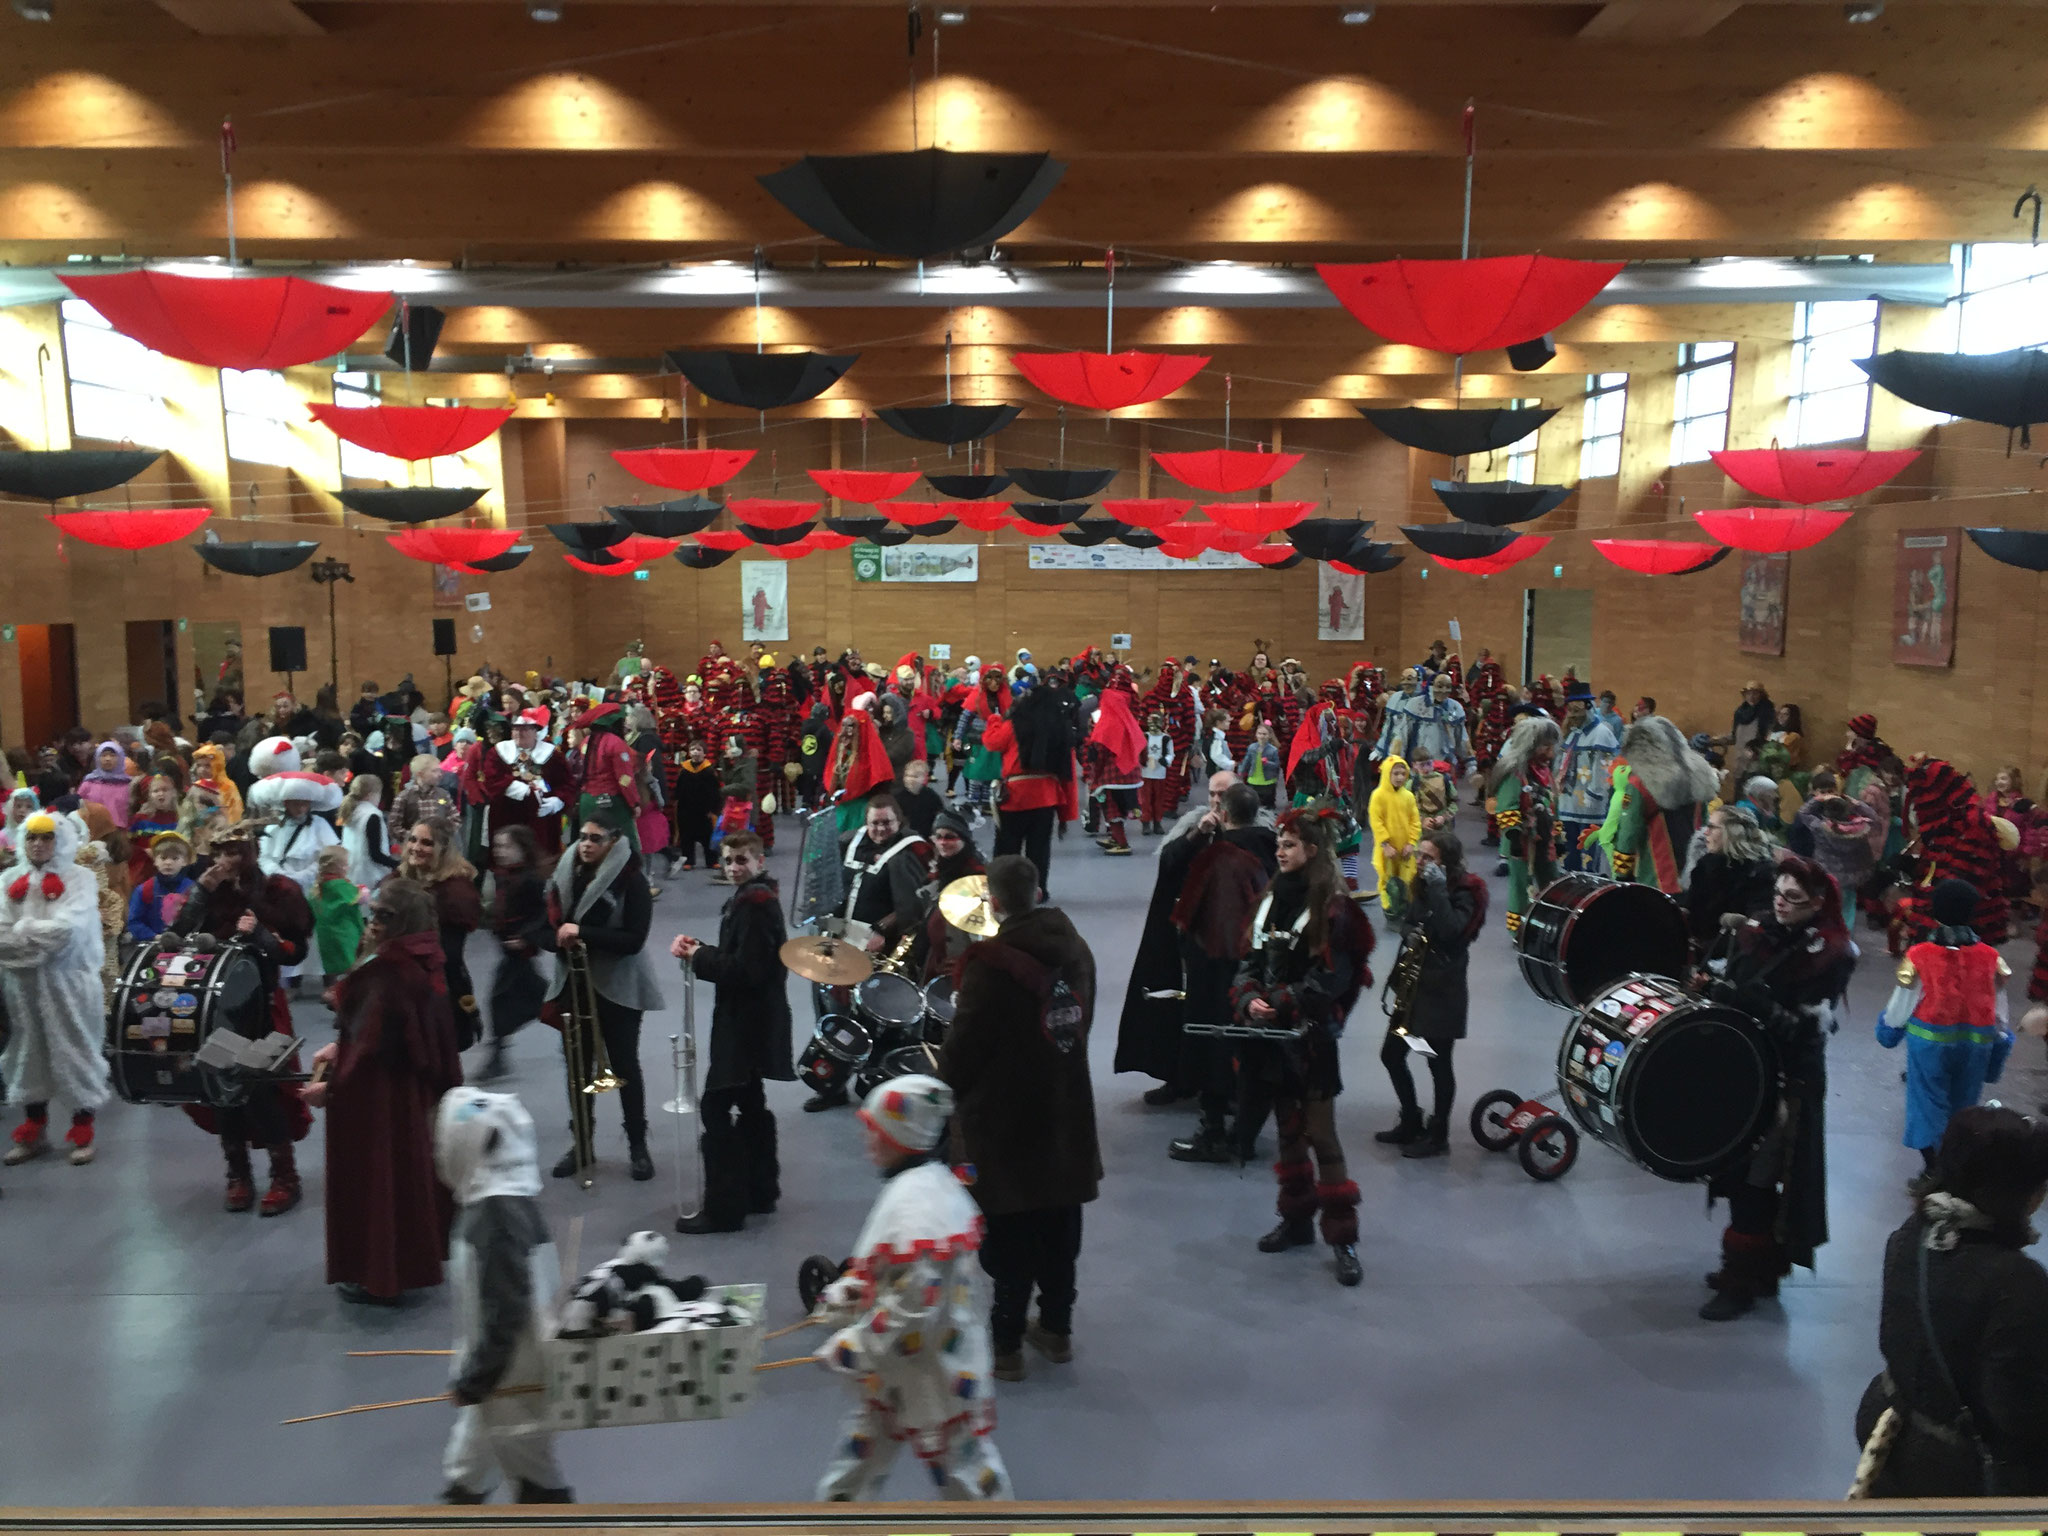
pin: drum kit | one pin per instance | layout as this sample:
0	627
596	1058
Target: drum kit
895	1027
1682	1086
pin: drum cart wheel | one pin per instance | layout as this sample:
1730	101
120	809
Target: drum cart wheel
813	1275
1490	1117
1549	1147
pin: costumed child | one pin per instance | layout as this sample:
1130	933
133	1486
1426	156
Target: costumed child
1949	1007
109	783
697	798
912	1313
51	950
155	904
737	777
502	1273
1396	823
152	808
337	910
1153	770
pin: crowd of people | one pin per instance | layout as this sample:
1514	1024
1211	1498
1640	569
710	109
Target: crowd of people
367	847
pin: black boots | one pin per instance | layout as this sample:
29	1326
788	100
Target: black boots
637	1160
1349	1270
1750	1267
1291	1233
1209	1144
1433	1142
1407	1129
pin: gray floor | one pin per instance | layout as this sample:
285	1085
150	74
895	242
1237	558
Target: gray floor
1510	1340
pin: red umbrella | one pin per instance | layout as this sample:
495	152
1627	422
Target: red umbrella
1107	381
868	486
453	546
1184	532
1269	554
616	568
1465	306
983	516
143	528
1656	557
1226	471
1513	554
1235	541
1770	530
915	514
825	540
639	548
683	469
412	431
1808	475
1260	517
1183	549
763	512
232	322
1150	512
723	539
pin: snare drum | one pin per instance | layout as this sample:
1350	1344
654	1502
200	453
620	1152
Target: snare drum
167	1002
887	1065
1679	1085
888	1001
1584	933
836	1051
938	1008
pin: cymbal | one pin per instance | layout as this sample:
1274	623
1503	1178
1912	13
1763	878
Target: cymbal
828	961
964	904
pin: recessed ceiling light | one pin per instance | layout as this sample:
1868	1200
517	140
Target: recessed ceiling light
543	10
32	10
953	16
1862	10
1356	15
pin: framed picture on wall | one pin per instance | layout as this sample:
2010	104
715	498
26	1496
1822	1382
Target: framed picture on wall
1340	604
764	600
1761	631
447	587
1924	597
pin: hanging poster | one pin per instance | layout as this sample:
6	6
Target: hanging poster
1340	603
447	587
916	562
764	600
1762	628
1119	557
1924	597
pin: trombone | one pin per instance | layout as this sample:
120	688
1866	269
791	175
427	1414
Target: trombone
588	1065
682	1058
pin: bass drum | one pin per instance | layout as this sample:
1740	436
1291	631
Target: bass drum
888	1001
835	1052
938	1008
1584	933
1677	1084
887	1065
168	1001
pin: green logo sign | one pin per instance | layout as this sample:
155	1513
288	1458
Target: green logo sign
867	562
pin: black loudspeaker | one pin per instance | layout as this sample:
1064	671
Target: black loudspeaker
421	326
1528	356
287	648
444	637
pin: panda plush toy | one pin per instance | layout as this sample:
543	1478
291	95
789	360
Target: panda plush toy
629	1293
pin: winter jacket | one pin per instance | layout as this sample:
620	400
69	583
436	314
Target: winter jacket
612	909
1717	885
154	905
1585	771
1026	1106
750	1025
1451	914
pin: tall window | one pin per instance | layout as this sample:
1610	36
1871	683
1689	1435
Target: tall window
111	377
2003	301
1699	417
357	463
257	404
1830	394
1517	461
1600	438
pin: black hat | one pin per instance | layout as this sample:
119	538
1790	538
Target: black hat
1953	903
949	821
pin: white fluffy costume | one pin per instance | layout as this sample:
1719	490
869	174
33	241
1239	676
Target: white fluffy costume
913	1317
502	1275
51	949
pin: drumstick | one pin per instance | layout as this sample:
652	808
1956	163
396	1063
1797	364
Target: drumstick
380	1354
783	1333
772	1365
405	1402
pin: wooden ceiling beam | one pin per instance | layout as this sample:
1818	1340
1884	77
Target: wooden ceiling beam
1657	21
243	18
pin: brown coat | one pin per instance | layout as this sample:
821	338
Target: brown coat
1026	1115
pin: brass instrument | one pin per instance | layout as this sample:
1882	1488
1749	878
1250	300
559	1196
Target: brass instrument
1397	999
682	1055
588	1065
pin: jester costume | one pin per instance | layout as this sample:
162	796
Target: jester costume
1524	807
1949	1009
1663	801
1173	697
1956	841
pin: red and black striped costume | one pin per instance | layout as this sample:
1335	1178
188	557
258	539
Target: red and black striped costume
1956	842
1171	697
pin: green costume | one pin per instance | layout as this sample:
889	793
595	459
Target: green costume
1527	819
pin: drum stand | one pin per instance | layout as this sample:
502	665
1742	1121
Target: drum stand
686	1106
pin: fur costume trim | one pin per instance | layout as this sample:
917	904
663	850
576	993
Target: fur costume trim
1671	771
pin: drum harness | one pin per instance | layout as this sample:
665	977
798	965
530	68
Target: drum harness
863	868
1262	935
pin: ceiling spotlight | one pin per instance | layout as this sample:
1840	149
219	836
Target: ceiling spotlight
1356	15
1862	10
952	15
32	10
543	10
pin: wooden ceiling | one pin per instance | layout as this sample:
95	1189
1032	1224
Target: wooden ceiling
632	133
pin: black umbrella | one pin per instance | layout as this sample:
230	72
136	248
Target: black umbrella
2022	547
933	529
411	503
761	381
1458	541
1050	514
60	472
1140	538
1497	503
968	487
596	556
1710	562
923	202
511	560
589	539
667	519
1326	538
875	530
1061	484
1375	558
257	557
948	424
696	557
775	535
2008	389
1456	433
1094	530
1287	564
